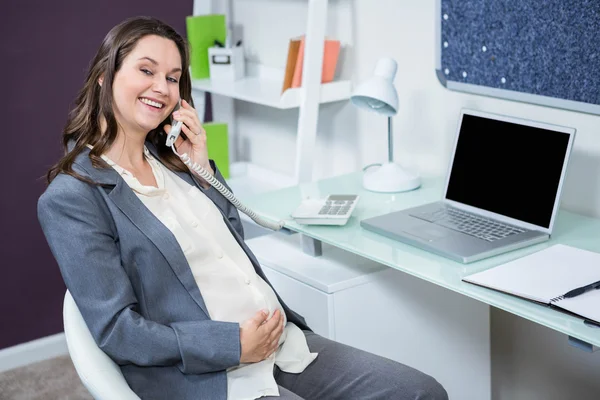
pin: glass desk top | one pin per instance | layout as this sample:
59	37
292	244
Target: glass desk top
570	229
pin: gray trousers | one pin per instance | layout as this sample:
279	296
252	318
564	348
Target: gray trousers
343	372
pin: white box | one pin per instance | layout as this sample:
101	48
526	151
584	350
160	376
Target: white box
226	63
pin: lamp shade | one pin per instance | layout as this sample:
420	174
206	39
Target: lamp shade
378	92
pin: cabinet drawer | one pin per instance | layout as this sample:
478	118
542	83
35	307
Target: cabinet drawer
315	306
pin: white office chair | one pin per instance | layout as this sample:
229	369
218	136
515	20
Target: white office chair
100	375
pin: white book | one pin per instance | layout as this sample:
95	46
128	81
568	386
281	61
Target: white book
546	276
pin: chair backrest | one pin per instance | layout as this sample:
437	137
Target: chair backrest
100	375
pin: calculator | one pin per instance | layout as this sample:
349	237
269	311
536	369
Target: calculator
335	209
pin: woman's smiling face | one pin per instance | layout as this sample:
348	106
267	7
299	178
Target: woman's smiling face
146	87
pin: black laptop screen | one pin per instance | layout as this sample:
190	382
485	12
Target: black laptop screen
510	169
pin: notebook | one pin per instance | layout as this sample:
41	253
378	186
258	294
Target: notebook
202	31
545	276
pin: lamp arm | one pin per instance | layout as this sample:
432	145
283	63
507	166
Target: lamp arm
390	141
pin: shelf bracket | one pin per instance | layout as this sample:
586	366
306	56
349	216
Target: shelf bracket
312	69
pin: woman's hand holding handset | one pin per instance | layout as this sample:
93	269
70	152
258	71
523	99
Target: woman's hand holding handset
195	142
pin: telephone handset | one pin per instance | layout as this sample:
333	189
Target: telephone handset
175	128
172	137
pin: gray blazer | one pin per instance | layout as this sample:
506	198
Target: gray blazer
134	287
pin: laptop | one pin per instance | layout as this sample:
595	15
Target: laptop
502	190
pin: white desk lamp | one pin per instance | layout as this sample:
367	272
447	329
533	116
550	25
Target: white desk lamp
379	94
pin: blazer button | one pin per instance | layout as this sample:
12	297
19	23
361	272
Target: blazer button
166	196
194	224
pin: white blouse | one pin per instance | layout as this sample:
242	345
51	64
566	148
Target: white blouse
230	287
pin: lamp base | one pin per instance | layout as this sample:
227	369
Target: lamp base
390	178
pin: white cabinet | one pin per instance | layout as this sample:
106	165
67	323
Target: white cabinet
369	306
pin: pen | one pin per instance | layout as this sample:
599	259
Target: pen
582	290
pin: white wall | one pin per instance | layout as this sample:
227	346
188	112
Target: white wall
424	129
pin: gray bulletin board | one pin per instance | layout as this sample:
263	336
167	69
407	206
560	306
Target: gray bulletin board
537	51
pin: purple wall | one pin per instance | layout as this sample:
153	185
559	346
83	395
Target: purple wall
45	47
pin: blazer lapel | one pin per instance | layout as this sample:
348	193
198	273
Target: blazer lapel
124	198
166	242
161	236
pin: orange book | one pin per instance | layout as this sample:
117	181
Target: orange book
290	66
331	52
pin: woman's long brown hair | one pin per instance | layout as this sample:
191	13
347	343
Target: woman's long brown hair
94	102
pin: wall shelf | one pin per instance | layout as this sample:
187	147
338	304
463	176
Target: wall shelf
262	85
267	91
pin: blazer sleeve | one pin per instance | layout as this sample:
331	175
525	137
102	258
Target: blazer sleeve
81	239
229	210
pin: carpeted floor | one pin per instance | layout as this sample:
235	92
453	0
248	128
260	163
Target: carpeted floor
53	379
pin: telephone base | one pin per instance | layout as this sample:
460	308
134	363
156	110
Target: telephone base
333	210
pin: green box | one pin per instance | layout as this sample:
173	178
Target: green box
217	141
202	31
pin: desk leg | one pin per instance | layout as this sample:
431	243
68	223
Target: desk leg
312	247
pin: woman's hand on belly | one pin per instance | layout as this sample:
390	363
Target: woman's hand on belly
259	337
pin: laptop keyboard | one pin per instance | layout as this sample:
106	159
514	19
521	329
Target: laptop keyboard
471	224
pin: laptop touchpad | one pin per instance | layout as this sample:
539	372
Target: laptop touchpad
429	232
